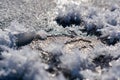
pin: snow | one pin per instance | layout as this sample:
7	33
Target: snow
73	40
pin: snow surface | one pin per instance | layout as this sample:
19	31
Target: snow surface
80	40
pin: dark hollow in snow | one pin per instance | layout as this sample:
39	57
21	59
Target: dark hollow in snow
71	74
102	61
108	41
112	22
12	76
55	67
91	32
23	39
1	50
69	19
91	29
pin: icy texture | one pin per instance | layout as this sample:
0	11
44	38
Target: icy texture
72	40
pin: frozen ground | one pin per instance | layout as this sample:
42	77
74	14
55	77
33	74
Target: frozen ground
78	40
